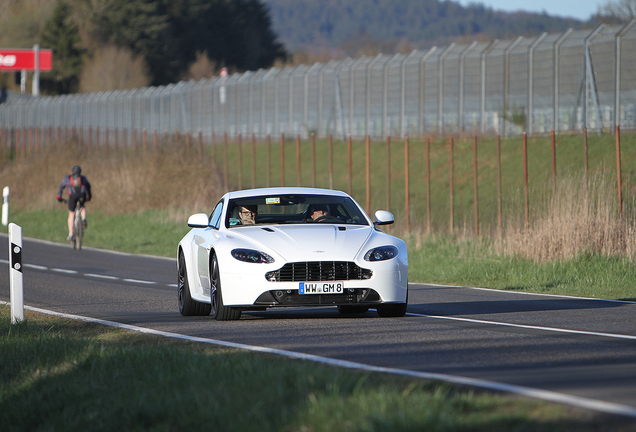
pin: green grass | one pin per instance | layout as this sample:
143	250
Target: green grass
434	259
74	376
569	160
469	262
149	232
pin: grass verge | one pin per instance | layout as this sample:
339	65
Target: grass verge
67	375
432	259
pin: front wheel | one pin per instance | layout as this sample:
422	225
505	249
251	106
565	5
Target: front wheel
78	231
220	312
187	306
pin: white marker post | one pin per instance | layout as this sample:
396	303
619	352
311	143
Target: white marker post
5	206
17	291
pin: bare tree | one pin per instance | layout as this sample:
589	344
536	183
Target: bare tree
617	11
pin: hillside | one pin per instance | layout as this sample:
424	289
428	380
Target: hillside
310	24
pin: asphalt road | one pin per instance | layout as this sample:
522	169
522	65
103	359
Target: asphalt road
578	347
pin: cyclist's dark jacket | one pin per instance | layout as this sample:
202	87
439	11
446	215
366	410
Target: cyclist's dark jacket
84	189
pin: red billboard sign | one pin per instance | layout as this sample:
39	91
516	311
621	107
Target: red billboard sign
24	59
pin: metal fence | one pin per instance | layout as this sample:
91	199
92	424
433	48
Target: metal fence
561	82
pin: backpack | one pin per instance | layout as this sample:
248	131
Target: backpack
76	184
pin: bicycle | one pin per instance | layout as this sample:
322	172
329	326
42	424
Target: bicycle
78	225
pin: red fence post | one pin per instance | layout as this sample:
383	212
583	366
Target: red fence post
282	159
499	200
240	163
476	195
428	185
407	203
619	182
452	180
525	179
298	160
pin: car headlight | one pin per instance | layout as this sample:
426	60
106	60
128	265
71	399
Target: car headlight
252	256
381	253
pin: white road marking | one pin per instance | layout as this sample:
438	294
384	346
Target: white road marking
36	267
59	270
139	281
553	329
101	276
551	396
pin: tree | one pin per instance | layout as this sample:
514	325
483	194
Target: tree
61	35
170	33
617	11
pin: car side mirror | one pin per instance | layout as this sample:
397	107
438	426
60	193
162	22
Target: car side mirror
199	220
383	217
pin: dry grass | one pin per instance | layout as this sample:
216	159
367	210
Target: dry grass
171	178
579	219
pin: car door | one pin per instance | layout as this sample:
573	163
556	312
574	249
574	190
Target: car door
204	241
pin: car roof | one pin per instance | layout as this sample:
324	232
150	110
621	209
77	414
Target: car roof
283	191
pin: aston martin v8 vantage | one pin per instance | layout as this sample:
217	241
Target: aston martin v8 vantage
290	247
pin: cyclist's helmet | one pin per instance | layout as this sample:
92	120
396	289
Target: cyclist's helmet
77	170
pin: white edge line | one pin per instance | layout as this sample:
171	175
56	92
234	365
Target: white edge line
521	292
581	402
504	324
59	270
139	281
95	249
35	267
101	276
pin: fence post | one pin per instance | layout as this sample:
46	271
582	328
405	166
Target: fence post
476	195
554	173
240	163
452	179
253	160
619	182
298	160
525	179
499	200
282	159
428	185
388	172
313	159
269	155
349	162
330	161
368	172
16	282
407	203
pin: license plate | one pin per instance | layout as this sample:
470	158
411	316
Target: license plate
321	288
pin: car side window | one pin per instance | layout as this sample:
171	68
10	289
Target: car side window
215	219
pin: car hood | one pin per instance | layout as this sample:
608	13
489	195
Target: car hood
314	242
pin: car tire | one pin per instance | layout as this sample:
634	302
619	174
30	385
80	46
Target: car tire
352	309
219	311
187	306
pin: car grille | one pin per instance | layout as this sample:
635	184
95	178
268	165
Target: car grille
319	271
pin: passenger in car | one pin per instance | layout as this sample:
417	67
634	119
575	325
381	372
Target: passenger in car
247	214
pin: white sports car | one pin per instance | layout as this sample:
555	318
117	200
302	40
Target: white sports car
290	247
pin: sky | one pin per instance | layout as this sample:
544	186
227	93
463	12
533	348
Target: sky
580	9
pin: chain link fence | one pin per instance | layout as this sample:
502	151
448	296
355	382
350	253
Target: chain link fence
561	82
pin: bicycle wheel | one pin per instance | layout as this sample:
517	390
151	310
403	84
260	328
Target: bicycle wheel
78	230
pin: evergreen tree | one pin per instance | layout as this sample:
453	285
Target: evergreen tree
61	35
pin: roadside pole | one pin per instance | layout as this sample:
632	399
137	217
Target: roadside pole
5	206
17	292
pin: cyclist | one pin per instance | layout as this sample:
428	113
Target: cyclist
79	189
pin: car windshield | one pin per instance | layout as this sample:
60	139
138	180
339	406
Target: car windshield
293	209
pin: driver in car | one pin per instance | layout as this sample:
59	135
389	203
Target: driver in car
319	213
